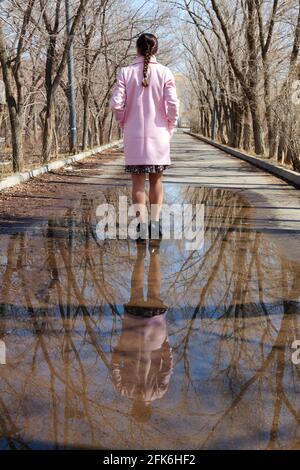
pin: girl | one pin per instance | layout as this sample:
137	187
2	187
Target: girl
145	105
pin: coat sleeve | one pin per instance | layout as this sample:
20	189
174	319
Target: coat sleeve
171	100
118	98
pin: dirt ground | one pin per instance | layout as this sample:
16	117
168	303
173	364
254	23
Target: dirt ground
24	200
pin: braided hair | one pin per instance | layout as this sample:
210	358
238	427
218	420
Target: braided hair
148	45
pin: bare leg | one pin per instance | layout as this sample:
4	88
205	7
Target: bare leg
137	278
138	192
156	194
154	279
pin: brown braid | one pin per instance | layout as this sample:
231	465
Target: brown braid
145	82
148	45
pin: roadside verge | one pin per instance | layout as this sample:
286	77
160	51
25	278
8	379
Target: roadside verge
290	176
18	178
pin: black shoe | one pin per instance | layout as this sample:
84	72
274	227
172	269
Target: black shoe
142	230
155	231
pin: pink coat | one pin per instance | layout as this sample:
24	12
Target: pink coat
146	115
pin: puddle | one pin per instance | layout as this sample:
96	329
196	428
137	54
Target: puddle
115	345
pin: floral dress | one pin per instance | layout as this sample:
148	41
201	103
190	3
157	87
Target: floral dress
136	169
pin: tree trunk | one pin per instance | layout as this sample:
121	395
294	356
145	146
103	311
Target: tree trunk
247	129
101	133
48	131
85	93
16	110
85	119
273	140
237	126
268	109
257	127
110	127
294	160
282	146
252	89
96	132
16	122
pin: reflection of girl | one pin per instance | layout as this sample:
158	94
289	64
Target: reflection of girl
142	360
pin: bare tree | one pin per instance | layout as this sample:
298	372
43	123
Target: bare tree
53	75
11	63
242	59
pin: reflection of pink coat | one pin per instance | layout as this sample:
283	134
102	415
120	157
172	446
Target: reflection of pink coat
147	115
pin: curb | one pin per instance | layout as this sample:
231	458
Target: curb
27	175
289	176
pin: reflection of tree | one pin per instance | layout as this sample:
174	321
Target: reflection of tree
250	265
232	312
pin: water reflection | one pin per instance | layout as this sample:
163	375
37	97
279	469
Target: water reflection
142	359
84	368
